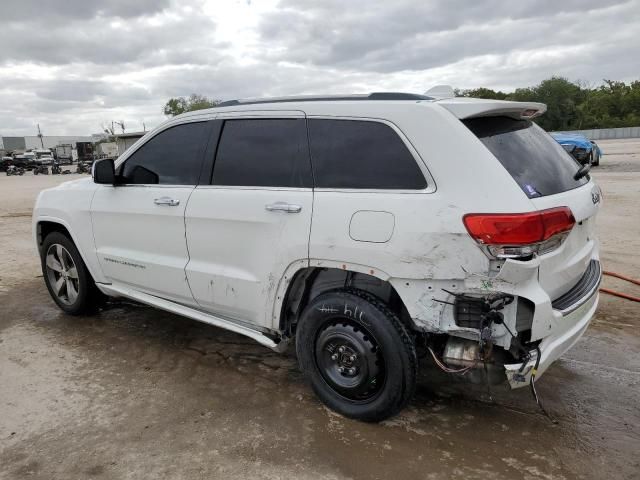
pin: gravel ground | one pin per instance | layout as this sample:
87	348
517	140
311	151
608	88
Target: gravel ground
138	393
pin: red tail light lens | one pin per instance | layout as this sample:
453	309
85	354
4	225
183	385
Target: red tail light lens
518	228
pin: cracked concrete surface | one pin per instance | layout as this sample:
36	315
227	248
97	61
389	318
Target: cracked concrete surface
138	393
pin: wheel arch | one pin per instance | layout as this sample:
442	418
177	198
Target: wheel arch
45	225
304	283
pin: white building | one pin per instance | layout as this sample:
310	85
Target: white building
125	140
48	141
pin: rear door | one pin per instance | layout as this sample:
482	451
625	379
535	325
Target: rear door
546	174
139	225
253	220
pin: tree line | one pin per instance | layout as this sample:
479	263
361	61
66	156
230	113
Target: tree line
574	105
570	105
176	106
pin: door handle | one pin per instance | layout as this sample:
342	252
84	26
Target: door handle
283	207
169	202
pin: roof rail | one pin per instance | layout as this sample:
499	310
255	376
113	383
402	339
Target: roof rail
311	98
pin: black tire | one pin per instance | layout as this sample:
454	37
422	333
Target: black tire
595	159
88	298
588	160
378	357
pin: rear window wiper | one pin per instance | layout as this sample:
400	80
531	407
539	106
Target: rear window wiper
582	171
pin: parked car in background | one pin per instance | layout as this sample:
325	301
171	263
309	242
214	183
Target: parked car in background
25	161
29	159
580	147
43	157
4	163
597	153
48	160
42	152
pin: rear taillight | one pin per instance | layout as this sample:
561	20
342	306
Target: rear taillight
512	235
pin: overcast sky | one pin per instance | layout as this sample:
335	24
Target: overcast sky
71	65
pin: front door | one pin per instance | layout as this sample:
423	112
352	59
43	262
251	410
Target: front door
138	225
254	219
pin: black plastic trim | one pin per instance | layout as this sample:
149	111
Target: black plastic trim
581	291
209	152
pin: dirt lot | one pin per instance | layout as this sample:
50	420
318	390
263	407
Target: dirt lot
139	393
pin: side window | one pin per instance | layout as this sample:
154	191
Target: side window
173	157
263	153
361	154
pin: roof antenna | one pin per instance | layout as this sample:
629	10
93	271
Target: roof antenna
440	91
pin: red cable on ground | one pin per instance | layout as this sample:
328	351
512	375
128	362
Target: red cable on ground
622	277
619	294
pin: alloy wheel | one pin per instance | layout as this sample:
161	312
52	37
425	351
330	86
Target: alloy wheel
62	274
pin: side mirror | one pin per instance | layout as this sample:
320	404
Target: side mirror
104	172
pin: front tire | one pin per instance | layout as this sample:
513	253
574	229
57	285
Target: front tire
357	355
66	276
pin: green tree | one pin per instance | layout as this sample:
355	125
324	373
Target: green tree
178	105
482	93
562	98
575	105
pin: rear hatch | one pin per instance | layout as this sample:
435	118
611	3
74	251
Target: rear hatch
563	267
545	173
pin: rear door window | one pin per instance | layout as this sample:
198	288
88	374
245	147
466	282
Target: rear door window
361	154
263	153
534	159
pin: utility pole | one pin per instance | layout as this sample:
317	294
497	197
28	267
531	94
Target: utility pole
40	137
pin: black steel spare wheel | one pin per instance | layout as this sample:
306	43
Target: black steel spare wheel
358	356
349	360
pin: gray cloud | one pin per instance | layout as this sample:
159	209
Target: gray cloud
102	40
20	11
70	65
414	35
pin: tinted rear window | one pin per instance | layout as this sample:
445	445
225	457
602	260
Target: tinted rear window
263	153
533	158
361	154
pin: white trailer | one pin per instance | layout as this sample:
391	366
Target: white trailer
108	149
64	153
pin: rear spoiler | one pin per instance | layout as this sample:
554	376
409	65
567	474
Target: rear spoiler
464	107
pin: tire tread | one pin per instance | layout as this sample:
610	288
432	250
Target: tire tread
395	400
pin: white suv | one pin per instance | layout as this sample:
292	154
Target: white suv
366	228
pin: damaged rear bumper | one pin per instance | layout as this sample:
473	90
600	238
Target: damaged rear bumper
570	325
